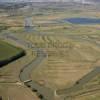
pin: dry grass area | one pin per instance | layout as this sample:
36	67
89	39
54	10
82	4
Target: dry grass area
11	21
10	86
89	96
64	66
16	92
93	84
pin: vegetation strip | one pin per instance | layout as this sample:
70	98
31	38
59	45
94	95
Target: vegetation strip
9	53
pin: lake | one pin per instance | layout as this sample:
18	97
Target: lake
82	20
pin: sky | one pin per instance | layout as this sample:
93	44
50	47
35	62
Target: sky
45	0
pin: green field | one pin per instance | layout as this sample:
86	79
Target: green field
9	53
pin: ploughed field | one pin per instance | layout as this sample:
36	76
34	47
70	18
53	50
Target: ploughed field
9	53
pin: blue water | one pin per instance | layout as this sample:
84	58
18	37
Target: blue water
82	20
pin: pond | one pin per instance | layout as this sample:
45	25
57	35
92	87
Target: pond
82	20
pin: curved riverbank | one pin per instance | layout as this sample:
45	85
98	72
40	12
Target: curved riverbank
42	92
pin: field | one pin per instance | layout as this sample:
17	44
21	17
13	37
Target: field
72	50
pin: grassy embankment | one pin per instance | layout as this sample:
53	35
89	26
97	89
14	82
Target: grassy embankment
9	53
